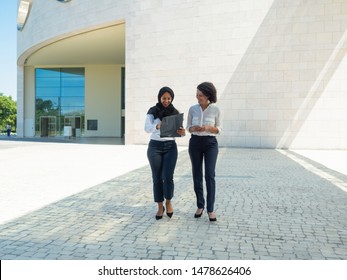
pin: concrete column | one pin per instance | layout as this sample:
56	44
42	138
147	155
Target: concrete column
20	101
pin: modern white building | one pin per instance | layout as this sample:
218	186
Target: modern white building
91	68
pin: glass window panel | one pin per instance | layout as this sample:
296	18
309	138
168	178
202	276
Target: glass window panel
72	111
47	72
43	92
72	91
72	82
72	72
59	93
47	82
47	102
72	101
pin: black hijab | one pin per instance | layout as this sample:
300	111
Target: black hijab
159	111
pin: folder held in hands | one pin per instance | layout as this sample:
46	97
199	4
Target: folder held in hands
170	124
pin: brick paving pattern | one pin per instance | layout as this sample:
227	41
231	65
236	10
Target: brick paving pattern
267	206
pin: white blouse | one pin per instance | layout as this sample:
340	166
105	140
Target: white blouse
211	116
150	127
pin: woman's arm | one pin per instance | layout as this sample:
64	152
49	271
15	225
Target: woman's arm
151	123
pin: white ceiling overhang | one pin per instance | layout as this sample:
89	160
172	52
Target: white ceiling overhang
101	46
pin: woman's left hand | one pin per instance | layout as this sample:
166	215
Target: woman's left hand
209	129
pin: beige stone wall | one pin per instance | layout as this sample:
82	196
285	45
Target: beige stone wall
103	100
279	66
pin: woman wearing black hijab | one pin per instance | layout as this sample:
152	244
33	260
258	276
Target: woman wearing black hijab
162	151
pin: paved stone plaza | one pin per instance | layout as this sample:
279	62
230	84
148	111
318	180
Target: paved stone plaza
268	207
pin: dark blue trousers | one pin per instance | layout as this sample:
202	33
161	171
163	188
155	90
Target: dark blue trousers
162	157
204	149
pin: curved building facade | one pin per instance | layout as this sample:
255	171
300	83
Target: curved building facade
93	68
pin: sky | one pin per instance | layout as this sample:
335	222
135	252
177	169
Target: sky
8	48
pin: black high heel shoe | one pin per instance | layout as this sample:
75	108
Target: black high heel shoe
211	219
157	217
169	214
200	214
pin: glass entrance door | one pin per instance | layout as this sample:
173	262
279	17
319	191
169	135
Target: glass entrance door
48	126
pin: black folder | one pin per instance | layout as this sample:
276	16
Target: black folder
170	124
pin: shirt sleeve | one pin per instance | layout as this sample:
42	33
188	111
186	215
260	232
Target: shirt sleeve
219	122
189	119
150	123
